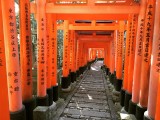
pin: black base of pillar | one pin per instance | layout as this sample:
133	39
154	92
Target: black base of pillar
146	117
115	73
30	105
89	67
18	115
132	108
128	97
122	97
65	82
102	67
42	101
55	93
50	96
73	77
107	71
140	112
81	70
69	79
111	78
118	84
77	73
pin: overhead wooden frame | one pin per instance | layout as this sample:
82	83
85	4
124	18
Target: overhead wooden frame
90	11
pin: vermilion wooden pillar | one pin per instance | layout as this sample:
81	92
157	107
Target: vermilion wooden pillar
65	79
155	68
128	93
138	59
156	45
146	59
81	57
105	60
108	57
115	47
17	111
77	57
73	57
26	59
126	62
4	109
53	53
69	55
90	53
49	64
112	60
74	53
42	99
118	82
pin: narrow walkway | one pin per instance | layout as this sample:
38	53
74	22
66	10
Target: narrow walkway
90	101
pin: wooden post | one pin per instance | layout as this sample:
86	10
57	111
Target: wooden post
49	58
115	47
128	93
4	109
146	59
53	52
73	57
42	99
77	57
126	63
17	111
65	79
119	65
26	58
155	67
138	59
112	59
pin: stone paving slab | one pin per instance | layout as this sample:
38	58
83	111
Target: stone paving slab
90	96
91	88
64	118
82	118
90	101
89	105
87	113
87	100
90	92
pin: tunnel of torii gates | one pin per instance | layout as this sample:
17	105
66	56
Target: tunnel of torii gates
138	79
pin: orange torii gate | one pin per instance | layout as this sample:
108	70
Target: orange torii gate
138	59
3	76
17	110
26	59
146	59
98	45
78	48
132	44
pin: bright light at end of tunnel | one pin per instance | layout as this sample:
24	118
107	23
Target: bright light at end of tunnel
16	8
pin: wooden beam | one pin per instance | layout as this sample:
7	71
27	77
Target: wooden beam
71	27
95	9
97	27
75	16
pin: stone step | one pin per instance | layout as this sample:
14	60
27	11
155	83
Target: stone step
87	113
87	100
89	105
90	92
90	96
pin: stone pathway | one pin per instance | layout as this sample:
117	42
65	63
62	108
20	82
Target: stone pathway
90	101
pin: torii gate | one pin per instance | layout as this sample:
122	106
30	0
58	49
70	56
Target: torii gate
91	11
